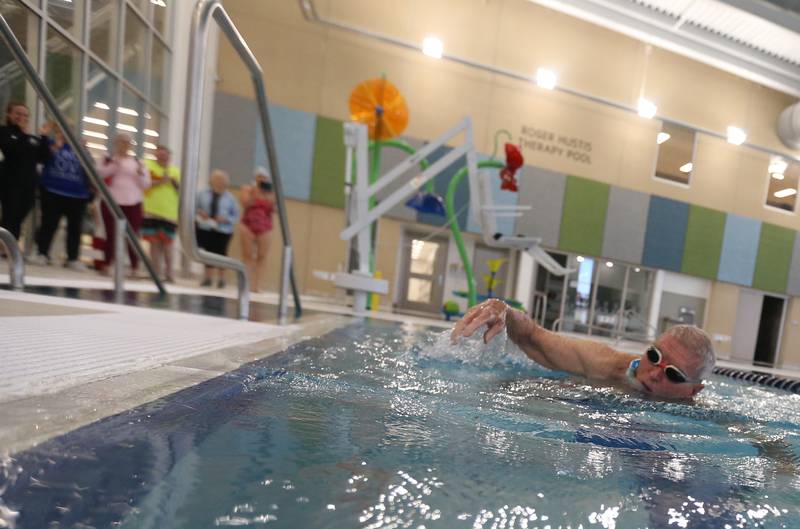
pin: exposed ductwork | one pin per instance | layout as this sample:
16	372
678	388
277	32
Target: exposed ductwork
789	126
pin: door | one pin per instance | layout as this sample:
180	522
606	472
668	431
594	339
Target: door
423	269
748	318
769	331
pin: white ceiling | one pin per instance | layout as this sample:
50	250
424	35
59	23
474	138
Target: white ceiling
749	38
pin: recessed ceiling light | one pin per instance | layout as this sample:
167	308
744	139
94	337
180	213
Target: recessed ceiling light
647	109
778	166
687	167
432	47
662	137
783	193
736	136
546	78
609	264
777	176
637	269
579	258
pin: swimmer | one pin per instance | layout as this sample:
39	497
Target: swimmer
671	367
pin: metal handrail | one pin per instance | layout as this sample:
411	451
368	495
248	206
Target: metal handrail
195	92
16	265
86	161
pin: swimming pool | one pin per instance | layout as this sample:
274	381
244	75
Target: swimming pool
379	425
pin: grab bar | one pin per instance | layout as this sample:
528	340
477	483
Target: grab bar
16	265
86	161
195	92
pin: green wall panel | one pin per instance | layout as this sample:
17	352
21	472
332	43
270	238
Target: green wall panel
774	258
327	177
584	216
703	246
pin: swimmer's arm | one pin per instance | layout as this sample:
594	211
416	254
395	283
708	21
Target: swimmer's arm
586	358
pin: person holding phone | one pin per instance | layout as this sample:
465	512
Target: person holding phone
256	225
21	153
126	178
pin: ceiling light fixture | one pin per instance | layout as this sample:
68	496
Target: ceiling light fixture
432	47
783	193
579	258
736	136
778	166
647	109
777	176
95	121
687	167
546	78
609	264
662	137
93	134
101	105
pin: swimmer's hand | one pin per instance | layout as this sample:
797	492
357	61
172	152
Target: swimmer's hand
491	313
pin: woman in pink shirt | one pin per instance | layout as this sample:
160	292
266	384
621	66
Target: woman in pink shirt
126	178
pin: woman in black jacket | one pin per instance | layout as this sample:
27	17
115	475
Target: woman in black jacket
18	172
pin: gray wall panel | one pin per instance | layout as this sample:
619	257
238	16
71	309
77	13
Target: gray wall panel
626	222
543	190
232	144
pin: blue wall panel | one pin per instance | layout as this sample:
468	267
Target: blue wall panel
739	250
666	233
294	139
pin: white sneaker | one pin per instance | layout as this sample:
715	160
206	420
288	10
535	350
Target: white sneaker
78	266
39	260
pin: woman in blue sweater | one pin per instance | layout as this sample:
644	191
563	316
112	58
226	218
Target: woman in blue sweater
65	191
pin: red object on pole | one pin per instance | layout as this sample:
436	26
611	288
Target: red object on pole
514	161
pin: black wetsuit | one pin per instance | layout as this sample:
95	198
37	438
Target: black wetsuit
18	174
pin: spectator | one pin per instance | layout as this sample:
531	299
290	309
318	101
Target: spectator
161	210
217	214
18	173
126	178
65	191
256	225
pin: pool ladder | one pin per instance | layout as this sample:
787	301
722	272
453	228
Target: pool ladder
204	11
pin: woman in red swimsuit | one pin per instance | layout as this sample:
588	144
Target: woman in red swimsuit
256	225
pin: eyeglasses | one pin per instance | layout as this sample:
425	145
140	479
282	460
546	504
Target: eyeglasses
672	373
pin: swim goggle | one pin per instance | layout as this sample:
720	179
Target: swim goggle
672	373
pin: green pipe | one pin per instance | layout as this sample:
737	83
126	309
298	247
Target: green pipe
408	149
449	207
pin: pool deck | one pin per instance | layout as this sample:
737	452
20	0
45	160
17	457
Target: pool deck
69	362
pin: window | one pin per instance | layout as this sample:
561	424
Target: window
675	153
103	30
25	26
68	14
101	100
782	188
63	73
160	16
155	125
130	118
159	72
135	57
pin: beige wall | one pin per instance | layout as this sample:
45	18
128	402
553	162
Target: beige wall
316	244
313	68
721	319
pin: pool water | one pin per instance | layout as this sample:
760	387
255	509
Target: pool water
379	425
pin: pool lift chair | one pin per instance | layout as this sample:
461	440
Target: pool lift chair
359	192
483	209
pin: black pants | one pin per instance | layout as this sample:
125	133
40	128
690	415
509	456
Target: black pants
53	207
16	202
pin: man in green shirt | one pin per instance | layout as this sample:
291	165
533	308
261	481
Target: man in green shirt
161	210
